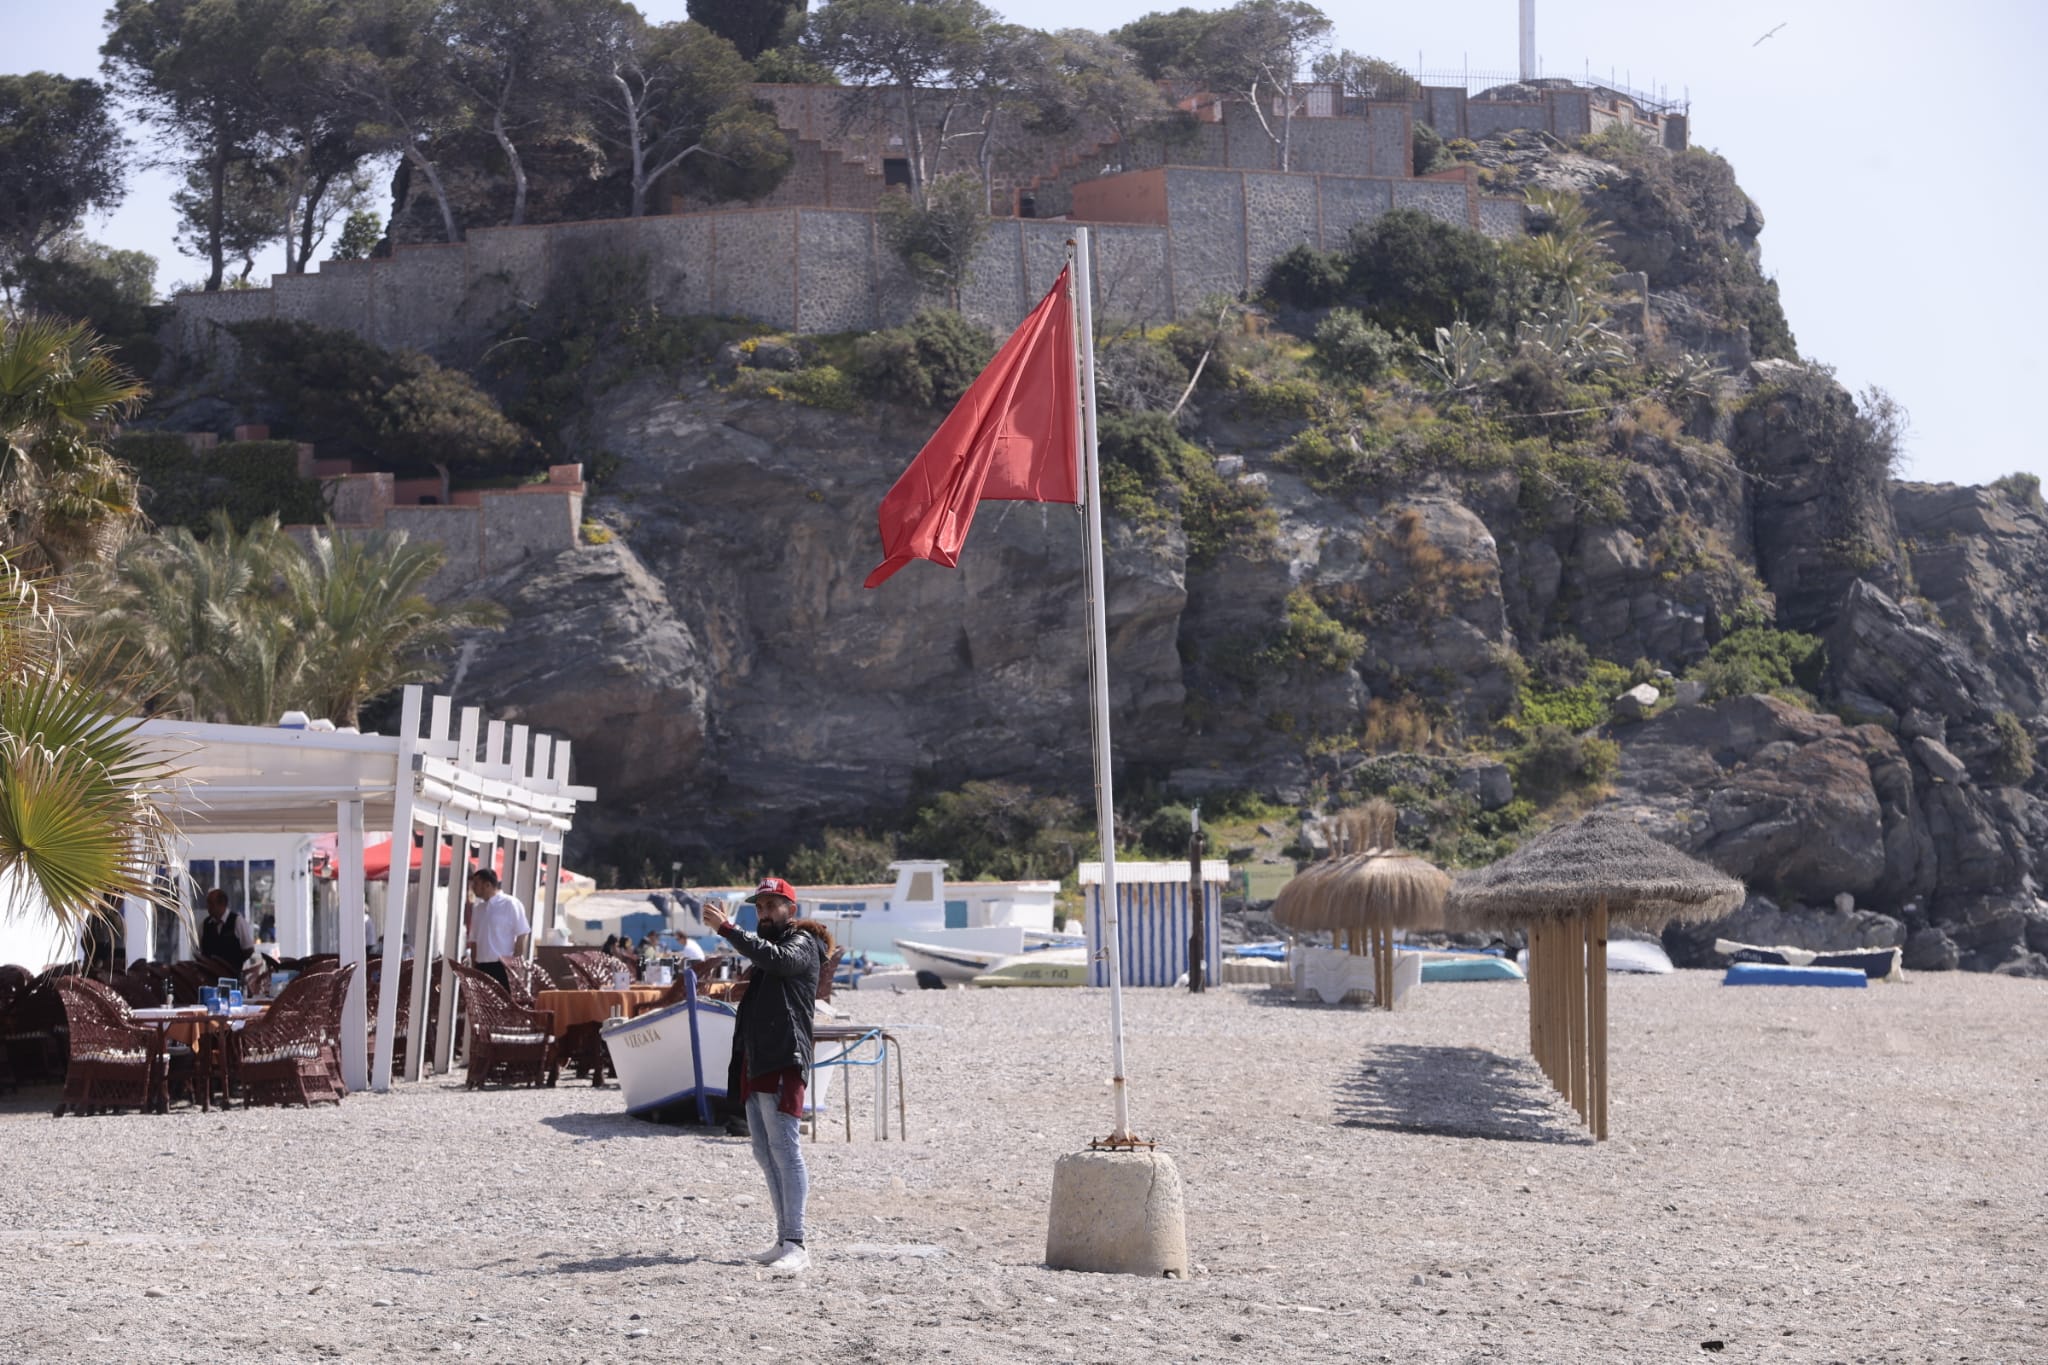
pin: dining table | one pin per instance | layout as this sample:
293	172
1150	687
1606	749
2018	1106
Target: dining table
575	1018
209	1033
570	1008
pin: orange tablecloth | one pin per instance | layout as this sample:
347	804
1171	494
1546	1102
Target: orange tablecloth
571	1008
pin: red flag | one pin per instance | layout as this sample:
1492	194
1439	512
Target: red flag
1010	438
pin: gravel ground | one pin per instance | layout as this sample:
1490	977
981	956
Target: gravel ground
1794	1175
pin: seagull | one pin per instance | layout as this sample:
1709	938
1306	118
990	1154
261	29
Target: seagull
1760	42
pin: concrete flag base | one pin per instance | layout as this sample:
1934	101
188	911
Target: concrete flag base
1119	1213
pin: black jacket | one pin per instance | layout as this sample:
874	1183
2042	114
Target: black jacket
774	1027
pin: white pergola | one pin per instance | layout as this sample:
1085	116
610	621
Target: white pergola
459	778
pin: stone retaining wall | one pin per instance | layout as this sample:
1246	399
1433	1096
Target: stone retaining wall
827	270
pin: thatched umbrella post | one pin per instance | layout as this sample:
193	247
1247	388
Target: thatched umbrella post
1596	981
1365	894
1563	889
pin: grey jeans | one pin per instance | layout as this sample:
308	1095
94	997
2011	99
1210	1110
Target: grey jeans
782	1160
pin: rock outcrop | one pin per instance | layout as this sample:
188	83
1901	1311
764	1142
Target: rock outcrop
1979	558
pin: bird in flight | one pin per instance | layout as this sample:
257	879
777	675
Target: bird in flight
1760	42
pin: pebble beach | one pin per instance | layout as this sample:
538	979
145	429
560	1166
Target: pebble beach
1794	1175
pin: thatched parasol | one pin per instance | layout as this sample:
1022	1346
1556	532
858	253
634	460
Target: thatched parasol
1604	856
1374	889
1563	887
1365	895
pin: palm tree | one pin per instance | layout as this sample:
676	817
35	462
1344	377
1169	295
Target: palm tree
79	817
369	626
205	625
64	498
1568	253
242	626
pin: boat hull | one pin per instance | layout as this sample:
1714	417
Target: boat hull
948	962
1051	968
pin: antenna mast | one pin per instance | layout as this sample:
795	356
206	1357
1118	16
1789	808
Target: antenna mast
1528	40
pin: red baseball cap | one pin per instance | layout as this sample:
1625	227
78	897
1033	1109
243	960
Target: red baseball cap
773	886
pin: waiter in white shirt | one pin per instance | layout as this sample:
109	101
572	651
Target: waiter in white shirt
497	926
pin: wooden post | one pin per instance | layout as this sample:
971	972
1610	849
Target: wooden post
1597	978
1551	1015
1387	941
1198	907
1546	995
1529	983
1539	998
1573	934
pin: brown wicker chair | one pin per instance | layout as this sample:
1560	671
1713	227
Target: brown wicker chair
507	1041
33	1030
592	969
525	979
402	1031
287	1054
112	1057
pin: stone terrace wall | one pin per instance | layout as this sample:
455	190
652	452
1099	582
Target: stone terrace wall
826	270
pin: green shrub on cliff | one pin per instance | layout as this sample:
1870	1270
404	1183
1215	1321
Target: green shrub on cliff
1304	277
1780	663
1312	639
1572	706
395	410
1002	831
1410	272
1555	760
1152	475
246	480
926	363
2013	761
2021	488
1349	347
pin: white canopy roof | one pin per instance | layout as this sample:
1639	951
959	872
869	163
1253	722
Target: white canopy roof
263	779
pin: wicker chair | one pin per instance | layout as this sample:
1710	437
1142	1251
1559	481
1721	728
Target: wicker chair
256	977
592	969
525	979
285	1055
112	1057
401	1032
507	1041
34	1028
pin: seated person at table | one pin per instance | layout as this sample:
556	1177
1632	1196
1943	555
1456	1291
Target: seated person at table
224	934
497	926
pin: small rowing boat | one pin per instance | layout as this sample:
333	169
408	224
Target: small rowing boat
1053	967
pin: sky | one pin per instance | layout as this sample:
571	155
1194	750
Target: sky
1885	140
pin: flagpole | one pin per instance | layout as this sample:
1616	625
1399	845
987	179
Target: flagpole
1098	659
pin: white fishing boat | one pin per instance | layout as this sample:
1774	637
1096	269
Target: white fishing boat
950	962
921	904
1052	967
675	1055
672	1055
1636	955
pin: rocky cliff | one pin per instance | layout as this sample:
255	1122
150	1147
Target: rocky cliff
1321	589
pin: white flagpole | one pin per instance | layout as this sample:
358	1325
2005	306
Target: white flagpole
1105	801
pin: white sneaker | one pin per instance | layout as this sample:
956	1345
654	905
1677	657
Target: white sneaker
794	1260
768	1255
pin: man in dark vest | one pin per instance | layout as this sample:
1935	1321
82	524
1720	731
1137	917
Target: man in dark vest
224	934
772	1041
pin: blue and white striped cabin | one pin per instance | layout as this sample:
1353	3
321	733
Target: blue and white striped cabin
1154	921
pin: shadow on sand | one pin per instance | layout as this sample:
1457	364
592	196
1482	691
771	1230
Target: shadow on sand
591	1127
1464	1092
